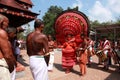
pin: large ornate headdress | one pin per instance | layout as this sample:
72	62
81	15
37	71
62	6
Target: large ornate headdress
71	22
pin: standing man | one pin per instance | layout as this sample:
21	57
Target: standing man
100	47
12	36
90	50
106	51
83	55
7	60
37	48
51	44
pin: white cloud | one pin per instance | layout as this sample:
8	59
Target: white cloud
100	13
78	3
114	5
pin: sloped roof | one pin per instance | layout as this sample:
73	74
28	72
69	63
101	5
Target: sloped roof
13	4
108	28
17	14
111	31
27	2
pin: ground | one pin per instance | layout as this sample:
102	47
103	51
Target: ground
95	72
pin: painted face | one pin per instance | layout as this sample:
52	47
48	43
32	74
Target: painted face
69	37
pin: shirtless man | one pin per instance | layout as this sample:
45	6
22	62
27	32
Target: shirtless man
83	55
52	45
37	48
7	60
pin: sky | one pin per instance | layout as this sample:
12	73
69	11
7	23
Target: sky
101	10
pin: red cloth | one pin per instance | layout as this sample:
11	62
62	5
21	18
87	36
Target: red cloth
83	57
78	40
106	43
68	56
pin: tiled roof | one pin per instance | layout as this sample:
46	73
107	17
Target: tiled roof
12	3
27	2
16	12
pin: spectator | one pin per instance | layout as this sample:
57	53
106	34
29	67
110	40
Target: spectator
37	48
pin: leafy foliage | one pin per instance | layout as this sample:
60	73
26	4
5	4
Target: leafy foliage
49	19
50	16
22	35
76	8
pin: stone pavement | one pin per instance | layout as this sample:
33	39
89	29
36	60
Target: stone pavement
94	72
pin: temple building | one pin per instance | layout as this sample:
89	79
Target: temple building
18	11
111	31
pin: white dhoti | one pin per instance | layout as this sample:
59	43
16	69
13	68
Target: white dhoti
4	71
51	60
90	49
38	68
105	54
13	74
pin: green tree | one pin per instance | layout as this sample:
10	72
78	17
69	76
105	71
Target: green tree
94	24
21	36
27	29
49	19
76	8
118	20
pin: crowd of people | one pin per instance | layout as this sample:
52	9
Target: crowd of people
7	59
72	53
9	50
108	51
40	49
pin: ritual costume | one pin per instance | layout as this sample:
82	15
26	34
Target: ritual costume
78	40
4	71
38	67
68	56
74	23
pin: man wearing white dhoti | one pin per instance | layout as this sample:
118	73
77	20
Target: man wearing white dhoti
38	67
37	48
4	71
51	45
51	61
7	60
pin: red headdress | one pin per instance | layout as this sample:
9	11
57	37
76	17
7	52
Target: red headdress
71	22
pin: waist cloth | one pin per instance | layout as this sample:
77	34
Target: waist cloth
3	63
51	60
4	71
38	67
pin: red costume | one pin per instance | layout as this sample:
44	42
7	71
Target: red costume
74	23
78	40
68	55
